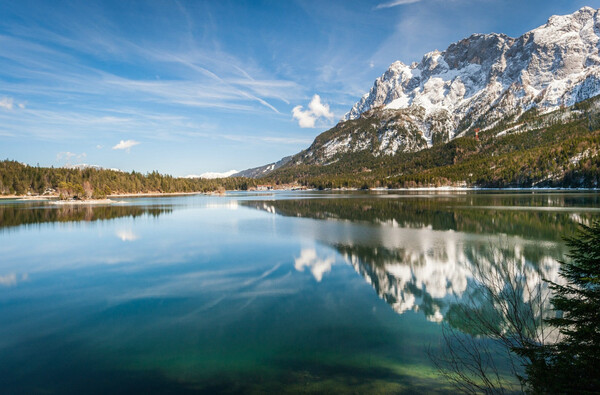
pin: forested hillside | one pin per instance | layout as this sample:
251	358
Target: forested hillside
558	149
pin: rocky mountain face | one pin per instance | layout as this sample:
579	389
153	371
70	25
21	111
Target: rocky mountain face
475	83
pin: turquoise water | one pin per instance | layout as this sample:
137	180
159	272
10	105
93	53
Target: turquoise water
253	293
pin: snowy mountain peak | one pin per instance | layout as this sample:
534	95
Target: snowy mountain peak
485	77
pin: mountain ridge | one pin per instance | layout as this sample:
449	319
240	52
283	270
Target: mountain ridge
534	64
259	171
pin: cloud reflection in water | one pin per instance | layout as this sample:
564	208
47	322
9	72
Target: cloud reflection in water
127	235
11	279
318	267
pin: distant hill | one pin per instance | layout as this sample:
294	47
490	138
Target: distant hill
257	172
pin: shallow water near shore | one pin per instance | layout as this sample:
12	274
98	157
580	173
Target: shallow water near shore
279	292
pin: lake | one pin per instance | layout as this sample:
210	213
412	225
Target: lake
281	292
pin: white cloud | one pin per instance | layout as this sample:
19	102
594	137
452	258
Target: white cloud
319	109
98	146
316	110
305	119
395	3
126	144
6	103
318	267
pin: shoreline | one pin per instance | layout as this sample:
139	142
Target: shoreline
84	202
157	194
115	195
510	189
214	193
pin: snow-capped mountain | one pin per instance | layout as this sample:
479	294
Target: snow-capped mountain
493	74
474	83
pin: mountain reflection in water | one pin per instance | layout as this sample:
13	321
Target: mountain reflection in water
423	253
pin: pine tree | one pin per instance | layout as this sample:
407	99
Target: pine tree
572	365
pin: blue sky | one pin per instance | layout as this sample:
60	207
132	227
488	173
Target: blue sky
186	87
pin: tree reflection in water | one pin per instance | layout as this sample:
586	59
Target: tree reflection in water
14	215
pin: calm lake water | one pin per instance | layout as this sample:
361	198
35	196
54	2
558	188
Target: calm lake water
253	293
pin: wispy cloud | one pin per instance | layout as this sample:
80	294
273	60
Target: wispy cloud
316	110
126	144
395	3
266	139
6	103
285	140
198	77
67	156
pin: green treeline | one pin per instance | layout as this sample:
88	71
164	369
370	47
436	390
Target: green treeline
19	179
